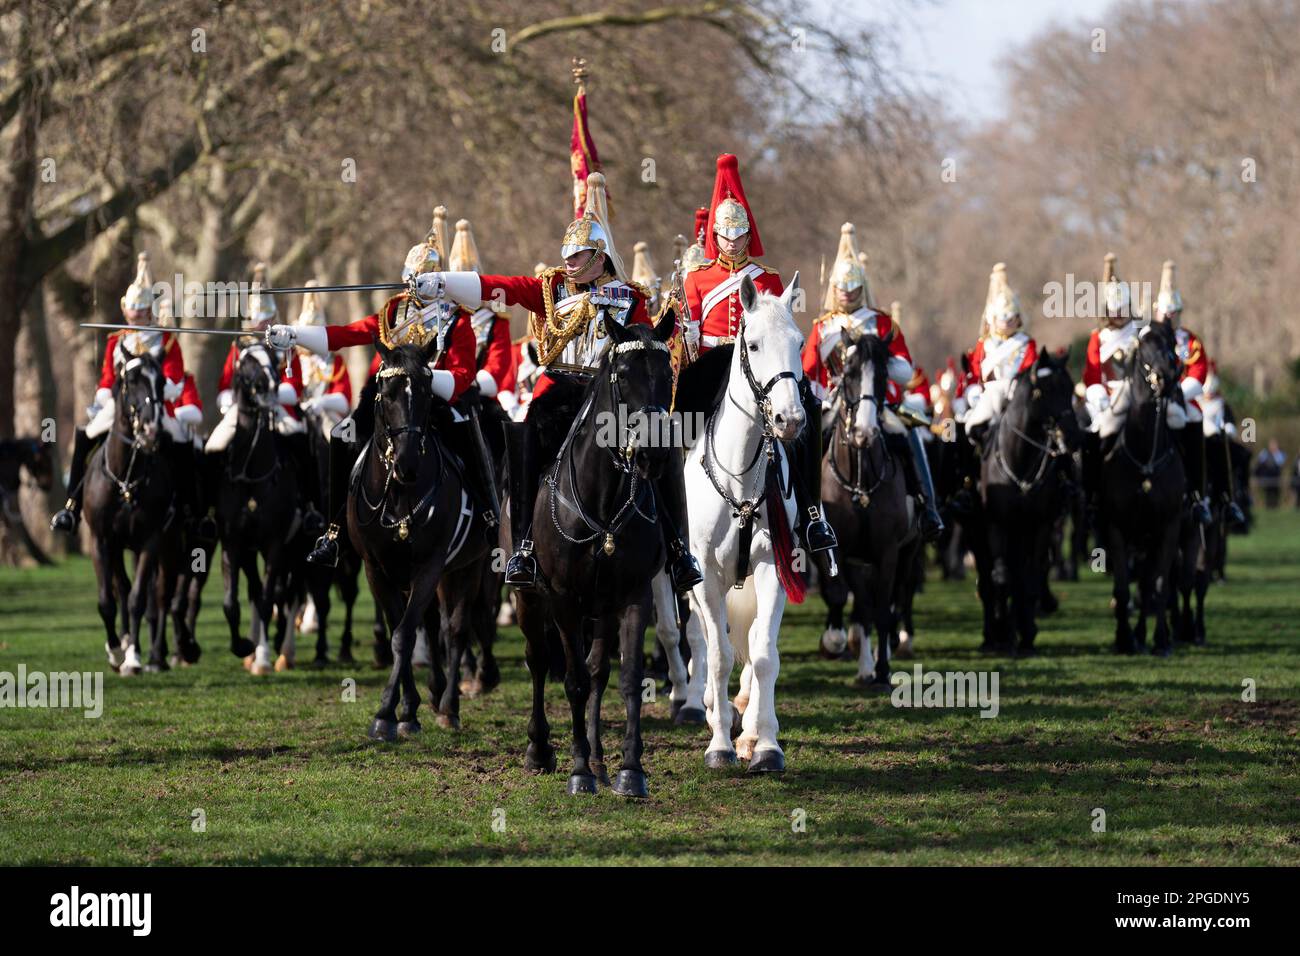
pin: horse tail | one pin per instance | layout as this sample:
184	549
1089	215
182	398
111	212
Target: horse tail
742	609
783	545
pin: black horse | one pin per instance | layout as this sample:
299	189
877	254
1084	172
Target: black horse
598	547
423	542
1142	487
16	456
864	492
1023	476
255	504
130	505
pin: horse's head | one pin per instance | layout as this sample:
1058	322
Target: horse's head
402	402
1049	392
638	367
138	397
864	379
1156	360
39	462
254	380
767	351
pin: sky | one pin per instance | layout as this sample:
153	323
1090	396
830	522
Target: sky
951	47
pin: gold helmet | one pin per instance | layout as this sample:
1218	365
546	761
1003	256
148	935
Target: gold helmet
312	312
592	230
464	251
732	219
1169	301
1115	294
261	308
139	294
849	273
1002	315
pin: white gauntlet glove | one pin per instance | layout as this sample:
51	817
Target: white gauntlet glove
281	336
692	334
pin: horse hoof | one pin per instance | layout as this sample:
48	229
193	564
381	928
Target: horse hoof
408	728
129	670
190	652
675	708
282	664
242	647
470	688
345	657
581	783
833	643
720	759
631	783
158	668
448	721
1026	650
600	773
258	669
1162	651
543	763
248	662
767	761
905	647
385	730
321	662
689	716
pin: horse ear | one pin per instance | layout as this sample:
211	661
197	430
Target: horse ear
616	332
430	349
748	294
792	290
385	353
666	325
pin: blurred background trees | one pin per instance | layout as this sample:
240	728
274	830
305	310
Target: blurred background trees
318	136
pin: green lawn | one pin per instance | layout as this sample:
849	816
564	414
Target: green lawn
1186	772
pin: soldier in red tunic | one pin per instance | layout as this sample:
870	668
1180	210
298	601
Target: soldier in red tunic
405	319
138	309
713	298
1196	369
571	304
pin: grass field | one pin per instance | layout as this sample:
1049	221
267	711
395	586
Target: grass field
1186	772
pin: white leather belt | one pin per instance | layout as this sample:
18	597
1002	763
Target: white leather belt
713	341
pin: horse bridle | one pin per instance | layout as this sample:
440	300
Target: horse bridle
1054	448
264	410
621	456
126	485
848	410
1155	381
388	456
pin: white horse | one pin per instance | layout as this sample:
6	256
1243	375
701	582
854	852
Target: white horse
725	475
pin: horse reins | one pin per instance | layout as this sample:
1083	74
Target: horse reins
387	455
844	421
125	485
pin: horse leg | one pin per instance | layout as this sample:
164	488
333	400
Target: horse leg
138	601
1034	546
1000	577
835	594
766	661
259	616
604	629
1159	597
488	676
240	646
348	591
1118	557
669	641
457	627
164	587
710	615
631	781
319	588
859	638
383	644
389	601
577	687
882	591
540	755
104	574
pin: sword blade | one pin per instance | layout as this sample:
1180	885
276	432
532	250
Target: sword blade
367	287
168	328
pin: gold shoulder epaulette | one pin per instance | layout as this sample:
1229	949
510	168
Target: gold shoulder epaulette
642	289
699	265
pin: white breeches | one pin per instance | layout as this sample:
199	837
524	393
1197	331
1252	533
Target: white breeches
102	420
222	435
1109	413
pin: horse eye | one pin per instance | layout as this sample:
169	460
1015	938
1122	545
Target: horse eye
753	348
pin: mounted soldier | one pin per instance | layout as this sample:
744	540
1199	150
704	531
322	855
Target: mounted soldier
517	390
849	314
731	243
1004	350
491	321
1196	371
323	384
1111	348
138	309
571	305
408	318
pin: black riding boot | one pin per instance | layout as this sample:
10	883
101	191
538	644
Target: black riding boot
670	495
67	517
342	455
479	477
522	451
931	522
1193	446
817	534
1226	483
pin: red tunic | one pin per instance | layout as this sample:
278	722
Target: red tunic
190	393
920	385
1196	363
457	359
720	321
824	337
526	291
173	362
1094	372
1028	358
494	354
